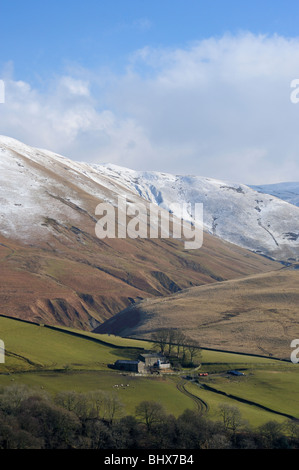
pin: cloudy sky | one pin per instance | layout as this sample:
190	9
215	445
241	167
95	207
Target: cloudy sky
180	86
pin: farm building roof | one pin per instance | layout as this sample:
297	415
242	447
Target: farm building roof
123	361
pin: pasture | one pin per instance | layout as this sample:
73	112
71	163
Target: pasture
57	360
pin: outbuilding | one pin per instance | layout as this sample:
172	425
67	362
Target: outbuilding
130	366
235	372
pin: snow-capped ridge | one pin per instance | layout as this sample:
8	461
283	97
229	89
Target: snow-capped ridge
37	184
233	211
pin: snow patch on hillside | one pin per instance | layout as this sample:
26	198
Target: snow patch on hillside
35	184
232	211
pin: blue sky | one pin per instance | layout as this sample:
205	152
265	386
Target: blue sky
41	37
171	85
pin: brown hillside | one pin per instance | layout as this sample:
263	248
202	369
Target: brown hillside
257	314
53	268
83	283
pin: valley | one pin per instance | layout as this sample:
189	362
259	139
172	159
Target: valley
54	361
73	304
53	267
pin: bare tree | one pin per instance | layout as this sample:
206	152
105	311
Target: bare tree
231	417
113	408
270	432
96	401
171	341
160	337
67	400
150	413
180	340
293	428
193	349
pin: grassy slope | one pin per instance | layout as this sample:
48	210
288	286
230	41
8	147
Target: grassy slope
41	357
256	314
276	389
30	347
267	382
253	415
73	278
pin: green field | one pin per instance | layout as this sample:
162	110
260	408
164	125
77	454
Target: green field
253	415
55	360
131	389
275	389
31	347
62	359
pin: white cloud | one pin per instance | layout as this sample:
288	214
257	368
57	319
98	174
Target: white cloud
74	86
220	108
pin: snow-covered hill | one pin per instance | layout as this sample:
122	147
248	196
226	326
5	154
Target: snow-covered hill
232	211
55	270
287	191
38	186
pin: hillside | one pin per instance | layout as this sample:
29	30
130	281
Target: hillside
288	191
257	314
53	267
232	211
53	360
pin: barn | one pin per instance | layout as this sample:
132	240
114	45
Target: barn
130	366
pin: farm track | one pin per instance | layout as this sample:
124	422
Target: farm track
202	406
22	358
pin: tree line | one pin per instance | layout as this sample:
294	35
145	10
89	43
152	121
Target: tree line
174	343
96	420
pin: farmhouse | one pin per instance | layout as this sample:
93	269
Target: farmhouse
154	360
145	362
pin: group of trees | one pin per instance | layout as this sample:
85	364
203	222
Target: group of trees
174	343
70	420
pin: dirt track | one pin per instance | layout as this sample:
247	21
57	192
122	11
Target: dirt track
202	406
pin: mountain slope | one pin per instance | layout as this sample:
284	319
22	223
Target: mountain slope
234	212
289	192
257	314
53	268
